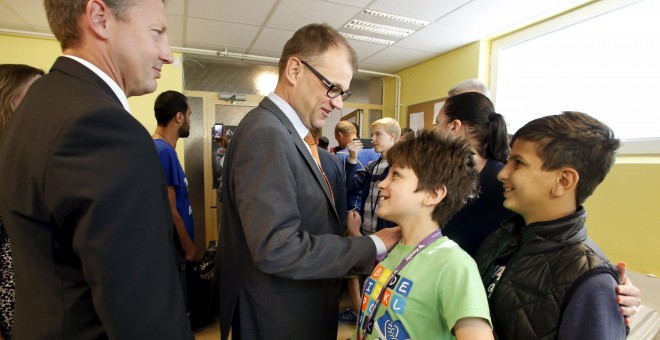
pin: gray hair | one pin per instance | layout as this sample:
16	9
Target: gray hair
470	85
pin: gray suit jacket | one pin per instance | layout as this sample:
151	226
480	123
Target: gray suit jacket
85	205
281	249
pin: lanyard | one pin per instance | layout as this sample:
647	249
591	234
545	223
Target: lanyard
368	323
374	177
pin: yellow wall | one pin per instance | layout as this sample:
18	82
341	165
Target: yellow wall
623	214
35	52
42	52
433	78
389	98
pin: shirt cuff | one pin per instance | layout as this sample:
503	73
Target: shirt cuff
380	246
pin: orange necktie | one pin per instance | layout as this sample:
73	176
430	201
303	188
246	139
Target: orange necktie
315	153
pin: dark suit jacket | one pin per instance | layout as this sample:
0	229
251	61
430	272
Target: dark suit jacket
281	249
85	205
334	170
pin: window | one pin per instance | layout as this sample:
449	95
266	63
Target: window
602	59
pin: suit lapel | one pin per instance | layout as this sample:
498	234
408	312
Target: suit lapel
302	148
80	71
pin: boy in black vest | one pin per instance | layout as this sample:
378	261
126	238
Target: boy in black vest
545	278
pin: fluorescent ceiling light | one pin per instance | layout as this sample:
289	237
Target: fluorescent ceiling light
396	17
367	39
378	28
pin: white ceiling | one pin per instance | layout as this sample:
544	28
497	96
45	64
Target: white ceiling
261	27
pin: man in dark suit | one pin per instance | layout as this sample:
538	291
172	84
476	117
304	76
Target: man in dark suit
281	249
83	194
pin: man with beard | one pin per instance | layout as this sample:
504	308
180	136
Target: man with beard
173	116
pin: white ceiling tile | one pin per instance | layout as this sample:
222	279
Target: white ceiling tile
9	19
252	12
379	68
358	3
366	49
31	13
175	31
272	39
175	7
418	9
293	14
399	57
219	33
486	17
438	37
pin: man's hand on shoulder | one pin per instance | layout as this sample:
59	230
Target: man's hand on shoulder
389	236
628	296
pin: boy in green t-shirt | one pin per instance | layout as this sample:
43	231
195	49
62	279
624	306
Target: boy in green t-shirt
427	287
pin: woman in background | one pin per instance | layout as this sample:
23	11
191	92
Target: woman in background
473	116
15	79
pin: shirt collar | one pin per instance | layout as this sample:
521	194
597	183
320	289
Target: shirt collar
291	114
115	88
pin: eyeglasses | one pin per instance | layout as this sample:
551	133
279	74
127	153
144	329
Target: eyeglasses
334	91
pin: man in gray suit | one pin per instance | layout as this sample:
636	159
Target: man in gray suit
281	249
83	194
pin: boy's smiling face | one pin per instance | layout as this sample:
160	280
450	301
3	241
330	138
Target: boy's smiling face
398	199
528	190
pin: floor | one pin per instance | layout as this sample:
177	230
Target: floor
344	332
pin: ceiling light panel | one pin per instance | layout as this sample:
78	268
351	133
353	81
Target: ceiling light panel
367	39
379	28
395	17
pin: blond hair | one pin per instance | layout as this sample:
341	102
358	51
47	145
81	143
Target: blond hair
391	126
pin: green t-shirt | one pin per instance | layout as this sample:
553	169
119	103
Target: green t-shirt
440	286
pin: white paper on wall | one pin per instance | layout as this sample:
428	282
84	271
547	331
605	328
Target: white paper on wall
417	121
436	110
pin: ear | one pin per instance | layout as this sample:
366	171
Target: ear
96	17
455	125
436	196
292	70
179	116
567	180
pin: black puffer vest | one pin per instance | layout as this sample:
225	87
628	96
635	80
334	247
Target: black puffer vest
529	299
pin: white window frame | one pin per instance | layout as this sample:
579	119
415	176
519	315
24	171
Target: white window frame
638	146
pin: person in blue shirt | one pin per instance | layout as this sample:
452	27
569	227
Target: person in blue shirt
173	116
